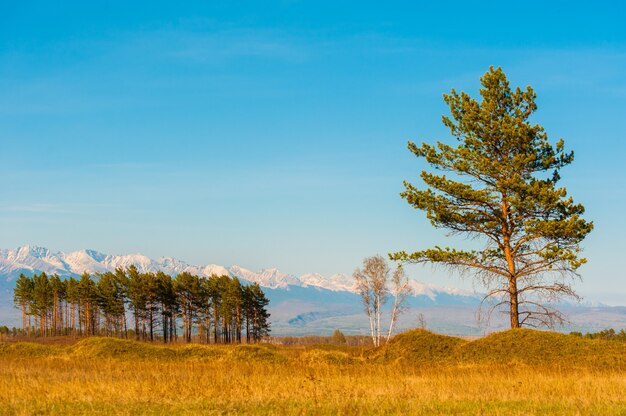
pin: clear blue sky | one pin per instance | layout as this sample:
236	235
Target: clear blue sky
275	134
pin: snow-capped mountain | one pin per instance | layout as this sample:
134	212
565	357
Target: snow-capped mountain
336	282
32	259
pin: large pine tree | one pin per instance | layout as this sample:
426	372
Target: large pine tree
499	186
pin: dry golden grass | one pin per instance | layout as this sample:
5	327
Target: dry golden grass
84	379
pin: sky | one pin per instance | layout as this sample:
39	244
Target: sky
273	134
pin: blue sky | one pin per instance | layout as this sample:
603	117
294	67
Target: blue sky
275	134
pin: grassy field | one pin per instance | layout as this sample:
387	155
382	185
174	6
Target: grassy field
515	372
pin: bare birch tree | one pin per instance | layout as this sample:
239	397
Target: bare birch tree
400	290
372	284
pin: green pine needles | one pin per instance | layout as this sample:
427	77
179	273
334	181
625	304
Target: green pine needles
499	186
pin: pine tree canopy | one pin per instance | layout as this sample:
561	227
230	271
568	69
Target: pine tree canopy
499	185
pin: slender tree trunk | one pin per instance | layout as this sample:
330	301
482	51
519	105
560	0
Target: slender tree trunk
378	313
372	320
164	320
215	322
66	318
124	324
151	323
55	313
247	329
184	310
190	324
207	323
172	326
136	315
24	316
393	319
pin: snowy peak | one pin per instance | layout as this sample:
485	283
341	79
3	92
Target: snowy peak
337	282
168	263
215	270
33	259
31	252
86	260
272	278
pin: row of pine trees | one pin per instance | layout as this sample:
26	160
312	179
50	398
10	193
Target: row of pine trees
218	309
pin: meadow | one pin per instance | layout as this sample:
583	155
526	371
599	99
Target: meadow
514	372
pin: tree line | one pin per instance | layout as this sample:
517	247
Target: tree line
606	334
218	309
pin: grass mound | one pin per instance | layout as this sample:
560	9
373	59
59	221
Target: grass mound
513	347
523	347
321	356
255	353
26	350
199	352
120	348
533	347
419	345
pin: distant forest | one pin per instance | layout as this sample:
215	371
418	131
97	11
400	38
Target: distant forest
218	309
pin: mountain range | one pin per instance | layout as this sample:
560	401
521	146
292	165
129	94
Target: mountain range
32	259
307	304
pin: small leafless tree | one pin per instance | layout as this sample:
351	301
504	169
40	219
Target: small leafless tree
372	283
400	290
421	321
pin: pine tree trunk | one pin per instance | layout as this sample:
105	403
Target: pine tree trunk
172	327
508	254
136	324
164	320
514	303
238	326
151	323
207	324
189	324
55	313
247	330
24	316
215	323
